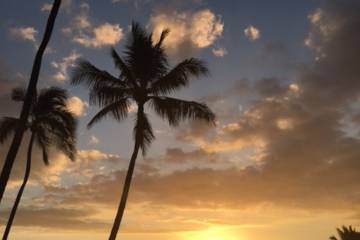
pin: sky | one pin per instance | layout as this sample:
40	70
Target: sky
282	161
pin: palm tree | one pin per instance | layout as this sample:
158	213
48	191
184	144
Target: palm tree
145	79
50	123
30	93
347	233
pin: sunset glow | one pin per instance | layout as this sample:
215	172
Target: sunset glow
211	120
214	233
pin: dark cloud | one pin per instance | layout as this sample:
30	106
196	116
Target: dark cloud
178	155
333	80
268	87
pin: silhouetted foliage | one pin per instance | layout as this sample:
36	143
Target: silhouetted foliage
30	94
347	233
145	77
50	124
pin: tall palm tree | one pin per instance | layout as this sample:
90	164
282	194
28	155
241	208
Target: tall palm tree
146	79
50	124
347	233
30	93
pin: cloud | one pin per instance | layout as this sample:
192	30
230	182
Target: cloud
93	140
77	106
66	5
82	20
252	33
219	52
178	155
24	33
73	219
89	163
86	34
63	66
103	35
94	155
46	7
294	129
189	31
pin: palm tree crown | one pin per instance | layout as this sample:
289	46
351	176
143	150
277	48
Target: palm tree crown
49	121
347	233
145	77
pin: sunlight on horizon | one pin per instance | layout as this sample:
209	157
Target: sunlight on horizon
214	233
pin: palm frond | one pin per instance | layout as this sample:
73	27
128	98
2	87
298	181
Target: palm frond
176	110
124	69
163	35
143	133
18	94
105	95
49	100
54	130
45	155
66	145
53	94
118	110
346	233
53	123
179	76
43	139
60	121
146	61
8	125
86	73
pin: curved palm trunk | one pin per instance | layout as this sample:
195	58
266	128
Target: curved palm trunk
30	93
125	193
21	190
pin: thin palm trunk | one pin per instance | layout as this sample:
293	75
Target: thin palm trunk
30	93
21	190
125	192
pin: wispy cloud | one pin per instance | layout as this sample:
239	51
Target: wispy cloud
46	7
93	140
24	33
63	66
86	34
219	52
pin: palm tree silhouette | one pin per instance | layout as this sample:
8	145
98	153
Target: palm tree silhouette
347	233
145	77
50	123
30	93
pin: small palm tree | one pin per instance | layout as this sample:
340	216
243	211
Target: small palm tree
30	93
347	233
145	78
50	123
